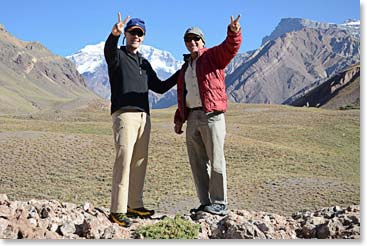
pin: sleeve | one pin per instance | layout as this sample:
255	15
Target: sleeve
110	50
227	50
177	118
157	85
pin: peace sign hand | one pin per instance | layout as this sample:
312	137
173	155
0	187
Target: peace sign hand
235	25
119	26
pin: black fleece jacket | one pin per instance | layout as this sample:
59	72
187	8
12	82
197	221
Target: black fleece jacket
131	76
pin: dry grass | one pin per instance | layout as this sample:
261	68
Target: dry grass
279	159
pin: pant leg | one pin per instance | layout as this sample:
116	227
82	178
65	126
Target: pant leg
125	129
198	159
139	163
213	134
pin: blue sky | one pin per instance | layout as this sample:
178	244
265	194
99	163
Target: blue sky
68	25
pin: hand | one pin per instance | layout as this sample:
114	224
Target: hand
235	25
118	28
178	128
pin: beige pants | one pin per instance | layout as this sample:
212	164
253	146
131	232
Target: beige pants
205	135
131	134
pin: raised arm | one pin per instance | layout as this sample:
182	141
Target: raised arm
110	49
222	54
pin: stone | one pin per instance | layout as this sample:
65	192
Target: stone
4	199
67	228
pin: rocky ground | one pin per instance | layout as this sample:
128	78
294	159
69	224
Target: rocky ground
51	219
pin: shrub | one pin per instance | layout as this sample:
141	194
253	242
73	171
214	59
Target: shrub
170	228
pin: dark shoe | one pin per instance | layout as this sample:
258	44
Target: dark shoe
139	212
120	219
217	209
200	208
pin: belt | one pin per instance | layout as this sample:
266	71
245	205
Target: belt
194	109
128	110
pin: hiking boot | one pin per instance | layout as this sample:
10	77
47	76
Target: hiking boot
139	212
217	209
121	219
200	208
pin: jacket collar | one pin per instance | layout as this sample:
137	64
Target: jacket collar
127	52
187	57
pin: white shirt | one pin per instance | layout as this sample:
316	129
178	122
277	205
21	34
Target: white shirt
193	99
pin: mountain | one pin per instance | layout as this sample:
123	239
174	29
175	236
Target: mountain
295	24
33	79
340	91
292	58
91	64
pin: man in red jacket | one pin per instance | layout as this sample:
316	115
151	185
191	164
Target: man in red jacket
202	101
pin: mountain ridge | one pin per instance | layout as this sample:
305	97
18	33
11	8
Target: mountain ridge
330	93
292	61
295	24
33	78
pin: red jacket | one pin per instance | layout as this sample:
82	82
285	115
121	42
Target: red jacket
210	74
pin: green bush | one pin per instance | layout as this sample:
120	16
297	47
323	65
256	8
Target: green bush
170	228
349	106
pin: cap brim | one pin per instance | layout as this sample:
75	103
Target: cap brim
135	27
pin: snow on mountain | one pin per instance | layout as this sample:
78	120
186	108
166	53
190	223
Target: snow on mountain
90	62
161	61
295	24
89	58
353	26
352	23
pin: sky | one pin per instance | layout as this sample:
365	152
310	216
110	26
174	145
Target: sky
67	26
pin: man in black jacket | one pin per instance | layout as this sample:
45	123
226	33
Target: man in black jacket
131	77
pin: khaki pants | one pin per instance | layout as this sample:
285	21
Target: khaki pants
131	135
205	134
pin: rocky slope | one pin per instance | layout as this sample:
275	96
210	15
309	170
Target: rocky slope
32	78
340	91
287	64
43	219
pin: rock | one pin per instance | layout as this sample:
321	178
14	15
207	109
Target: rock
67	229
3	225
3	199
53	227
323	231
317	220
46	212
5	212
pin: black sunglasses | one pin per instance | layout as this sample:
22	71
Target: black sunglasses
138	32
190	38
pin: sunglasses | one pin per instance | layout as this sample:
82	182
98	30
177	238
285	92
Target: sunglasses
190	38
138	32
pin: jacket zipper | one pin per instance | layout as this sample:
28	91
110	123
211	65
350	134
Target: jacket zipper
198	68
139	64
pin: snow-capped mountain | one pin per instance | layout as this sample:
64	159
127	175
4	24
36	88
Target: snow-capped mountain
90	62
287	25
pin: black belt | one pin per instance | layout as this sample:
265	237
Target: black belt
130	110
196	108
